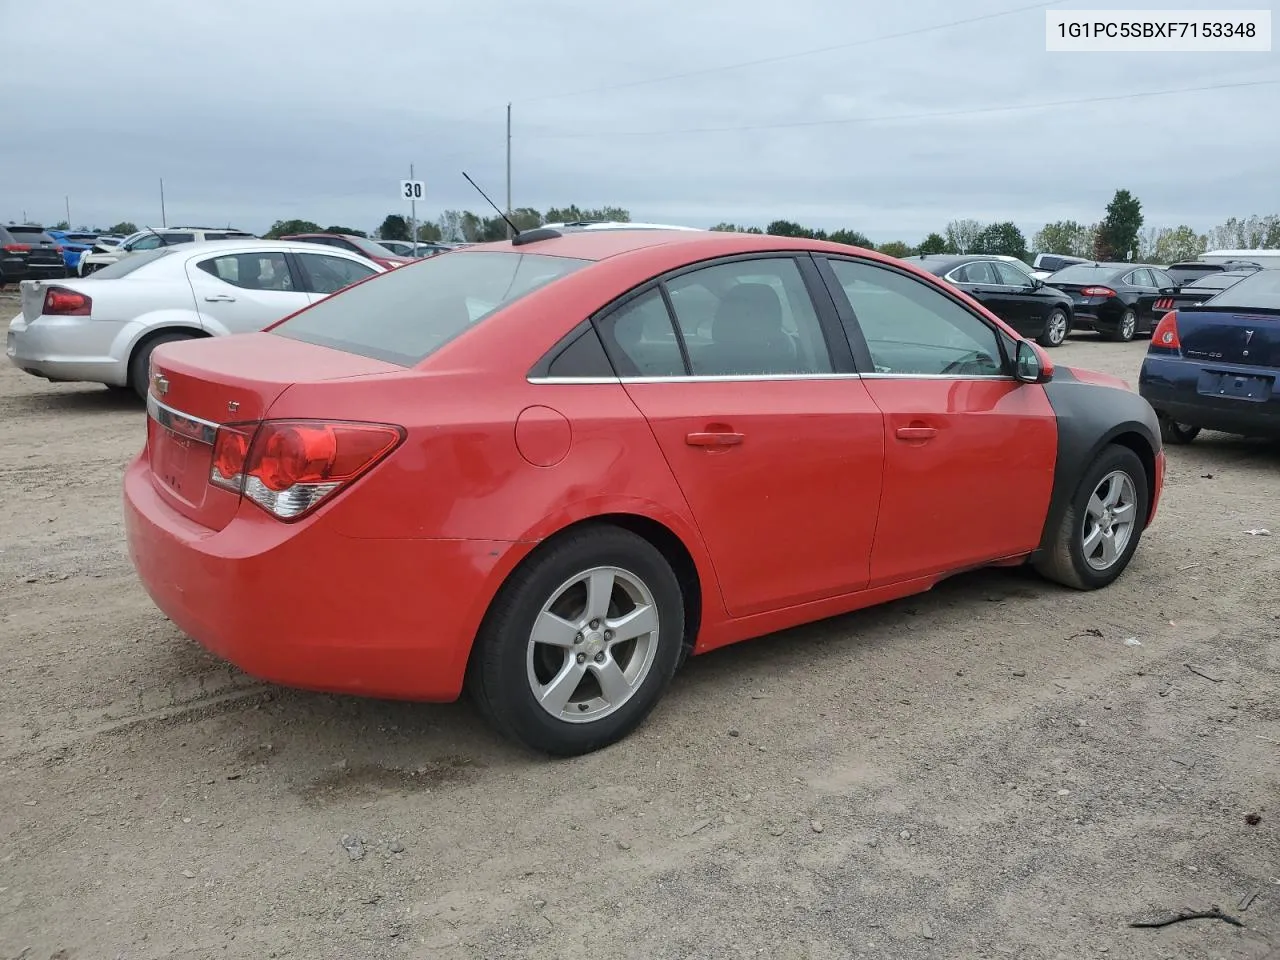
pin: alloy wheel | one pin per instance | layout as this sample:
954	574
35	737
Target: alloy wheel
1109	520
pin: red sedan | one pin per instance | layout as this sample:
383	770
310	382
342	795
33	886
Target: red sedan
369	249
549	469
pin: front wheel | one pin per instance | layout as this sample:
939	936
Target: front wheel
1102	525
1055	329
1127	327
580	643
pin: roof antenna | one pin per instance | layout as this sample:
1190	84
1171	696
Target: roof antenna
514	229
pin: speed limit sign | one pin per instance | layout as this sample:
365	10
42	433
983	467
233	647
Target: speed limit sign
412	189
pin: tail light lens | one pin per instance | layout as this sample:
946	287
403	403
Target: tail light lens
1098	292
290	467
17	247
57	249
61	302
1166	333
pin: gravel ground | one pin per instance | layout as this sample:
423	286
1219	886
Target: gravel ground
999	768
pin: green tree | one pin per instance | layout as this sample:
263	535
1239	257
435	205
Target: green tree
961	235
850	237
429	233
574	214
1000	238
349	231
1247	233
472	227
450	226
896	248
394	227
1171	244
788	228
124	228
1064	237
735	228
934	243
1118	232
283	228
61	225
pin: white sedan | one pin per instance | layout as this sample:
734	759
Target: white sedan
102	328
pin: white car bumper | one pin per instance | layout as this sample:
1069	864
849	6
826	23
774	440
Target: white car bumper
67	349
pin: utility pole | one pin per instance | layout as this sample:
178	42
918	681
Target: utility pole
163	222
509	233
67	198
413	216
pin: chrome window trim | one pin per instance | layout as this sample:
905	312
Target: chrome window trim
204	431
749	378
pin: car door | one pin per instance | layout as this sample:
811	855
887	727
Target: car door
1013	299
770	434
245	291
969	450
323	274
978	280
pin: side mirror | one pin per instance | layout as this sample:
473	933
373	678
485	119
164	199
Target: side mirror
1030	365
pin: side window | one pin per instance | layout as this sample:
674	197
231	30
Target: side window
1137	278
251	271
750	317
1011	276
977	272
1162	279
149	242
584	357
912	329
326	274
640	338
174	238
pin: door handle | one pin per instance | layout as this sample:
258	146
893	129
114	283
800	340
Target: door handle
714	439
220	298
917	433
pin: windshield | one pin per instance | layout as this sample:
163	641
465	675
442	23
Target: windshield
1082	273
372	248
407	314
1259	290
122	268
1216	281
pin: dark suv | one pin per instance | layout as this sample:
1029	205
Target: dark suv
28	253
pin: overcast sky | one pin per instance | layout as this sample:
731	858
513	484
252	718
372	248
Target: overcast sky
258	110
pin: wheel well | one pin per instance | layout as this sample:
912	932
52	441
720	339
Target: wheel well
154	334
1138	444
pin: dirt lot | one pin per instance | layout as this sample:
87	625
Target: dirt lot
993	769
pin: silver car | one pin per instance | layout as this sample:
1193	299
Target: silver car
102	329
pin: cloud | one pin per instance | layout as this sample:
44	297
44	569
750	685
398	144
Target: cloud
255	112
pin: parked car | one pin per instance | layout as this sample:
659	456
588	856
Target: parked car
371	249
74	245
1267	259
1115	299
1008	290
549	467
1047	264
151	239
406	248
1186	271
28	252
103	328
1215	365
1198	291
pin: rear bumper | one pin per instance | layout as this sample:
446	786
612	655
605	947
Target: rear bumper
299	605
70	349
13	270
1169	384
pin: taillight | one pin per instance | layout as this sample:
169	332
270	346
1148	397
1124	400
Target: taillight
57	249
290	467
17	247
1166	332
1098	292
61	302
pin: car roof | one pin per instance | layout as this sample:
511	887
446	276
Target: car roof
603	244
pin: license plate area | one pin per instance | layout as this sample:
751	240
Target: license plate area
180	449
1235	386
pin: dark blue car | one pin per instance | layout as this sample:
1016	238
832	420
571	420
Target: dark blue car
1214	366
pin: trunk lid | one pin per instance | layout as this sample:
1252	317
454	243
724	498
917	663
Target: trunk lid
198	385
1231	335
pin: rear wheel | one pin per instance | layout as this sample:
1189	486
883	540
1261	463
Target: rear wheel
580	643
140	362
1055	329
1102	525
1127	327
1177	433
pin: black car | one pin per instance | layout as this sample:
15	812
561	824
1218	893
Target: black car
1198	291
1116	299
1009	291
28	253
1187	271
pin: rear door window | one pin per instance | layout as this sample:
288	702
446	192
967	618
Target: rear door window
406	315
325	273
267	270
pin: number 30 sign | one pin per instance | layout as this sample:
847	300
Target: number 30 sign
412	189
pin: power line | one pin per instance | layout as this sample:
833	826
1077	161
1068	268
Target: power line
936	114
789	56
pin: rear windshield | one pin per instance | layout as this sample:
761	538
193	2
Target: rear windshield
1082	273
407	314
30	234
372	247
122	268
1259	290
1214	281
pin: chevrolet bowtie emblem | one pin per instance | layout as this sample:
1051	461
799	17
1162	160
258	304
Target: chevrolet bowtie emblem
161	384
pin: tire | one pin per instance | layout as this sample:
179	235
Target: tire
1172	432
1127	327
140	362
1056	328
509	669
1067	560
